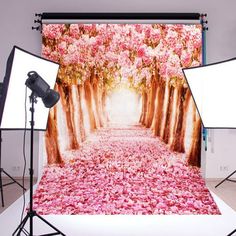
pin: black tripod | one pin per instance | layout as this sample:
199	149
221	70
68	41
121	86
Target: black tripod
232	233
227	179
2	171
221	182
31	213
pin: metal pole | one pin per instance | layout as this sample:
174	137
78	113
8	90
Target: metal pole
1	185
31	171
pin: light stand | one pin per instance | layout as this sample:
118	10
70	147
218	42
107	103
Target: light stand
19	64
31	213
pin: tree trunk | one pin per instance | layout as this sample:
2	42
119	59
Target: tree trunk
151	103
183	101
167	124
104	111
81	117
148	106
51	139
68	108
74	111
175	114
195	148
97	99
144	108
159	105
89	103
154	119
165	107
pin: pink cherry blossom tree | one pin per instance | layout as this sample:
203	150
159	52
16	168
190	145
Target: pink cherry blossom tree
145	57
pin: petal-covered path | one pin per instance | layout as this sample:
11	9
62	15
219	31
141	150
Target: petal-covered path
123	171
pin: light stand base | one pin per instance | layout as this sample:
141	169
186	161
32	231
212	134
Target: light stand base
227	179
2	171
221	182
30	216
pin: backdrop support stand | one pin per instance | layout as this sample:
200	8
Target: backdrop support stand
2	171
31	213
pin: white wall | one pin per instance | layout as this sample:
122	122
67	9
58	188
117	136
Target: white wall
16	19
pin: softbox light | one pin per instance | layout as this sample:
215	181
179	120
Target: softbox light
213	88
12	103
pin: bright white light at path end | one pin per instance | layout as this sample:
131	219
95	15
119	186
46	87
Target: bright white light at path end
123	106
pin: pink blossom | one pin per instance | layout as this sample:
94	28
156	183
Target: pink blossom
74	30
72	48
62	48
141	51
156	35
52	31
186	58
46	51
124	60
124	48
138	28
171	36
178	48
138	62
163	70
147	31
89	27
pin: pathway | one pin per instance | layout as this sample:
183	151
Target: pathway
123	170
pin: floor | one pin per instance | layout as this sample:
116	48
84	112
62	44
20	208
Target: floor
226	191
172	225
12	192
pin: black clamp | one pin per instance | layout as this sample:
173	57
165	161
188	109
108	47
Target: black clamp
204	22
38	21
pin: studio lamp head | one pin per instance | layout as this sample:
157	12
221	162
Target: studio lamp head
41	89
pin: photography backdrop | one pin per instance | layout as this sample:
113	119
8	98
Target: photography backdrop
125	137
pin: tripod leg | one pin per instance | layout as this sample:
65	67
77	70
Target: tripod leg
13	179
225	179
1	186
232	233
53	227
21	226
